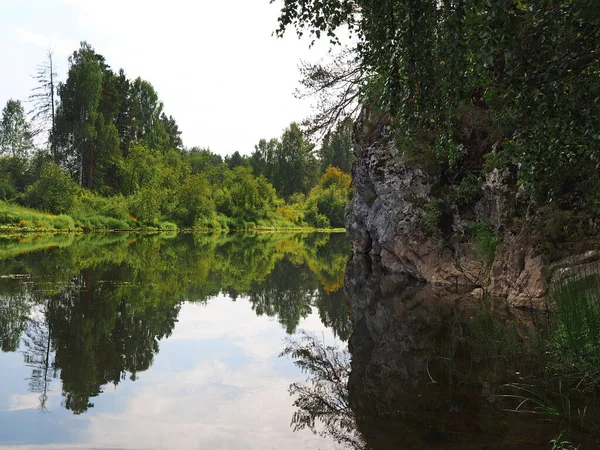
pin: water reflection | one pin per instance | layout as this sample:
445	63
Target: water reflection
321	401
435	367
91	310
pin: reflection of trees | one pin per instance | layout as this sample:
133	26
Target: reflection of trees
291	291
99	335
14	311
37	353
322	400
334	312
95	306
287	294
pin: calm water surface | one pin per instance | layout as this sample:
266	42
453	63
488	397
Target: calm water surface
128	342
123	341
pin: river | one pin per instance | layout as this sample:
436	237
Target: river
265	341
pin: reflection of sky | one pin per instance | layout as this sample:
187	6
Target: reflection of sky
216	383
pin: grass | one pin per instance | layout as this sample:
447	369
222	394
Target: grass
558	443
577	335
486	242
18	218
552	406
94	213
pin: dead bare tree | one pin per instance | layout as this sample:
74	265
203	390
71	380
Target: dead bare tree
337	87
42	99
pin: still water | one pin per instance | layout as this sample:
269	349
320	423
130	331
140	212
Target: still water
128	342
271	341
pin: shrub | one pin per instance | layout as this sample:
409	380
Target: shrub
54	191
432	219
486	241
326	203
145	205
468	192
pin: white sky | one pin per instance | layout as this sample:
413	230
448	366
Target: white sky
215	64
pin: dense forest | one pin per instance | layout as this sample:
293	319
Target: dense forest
112	158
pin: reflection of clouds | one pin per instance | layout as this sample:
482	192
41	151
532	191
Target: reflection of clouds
20	402
213	405
216	401
220	318
220	409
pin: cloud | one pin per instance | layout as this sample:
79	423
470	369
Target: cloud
211	406
21	402
61	46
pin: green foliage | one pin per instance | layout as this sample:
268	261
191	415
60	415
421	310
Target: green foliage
326	203
336	149
194	202
92	211
432	219
290	164
16	137
112	137
560	226
54	191
486	241
145	204
17	217
14	177
558	443
520	78
578	321
468	192
553	406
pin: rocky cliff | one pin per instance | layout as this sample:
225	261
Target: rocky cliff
395	195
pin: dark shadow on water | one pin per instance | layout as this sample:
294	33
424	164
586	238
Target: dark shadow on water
434	367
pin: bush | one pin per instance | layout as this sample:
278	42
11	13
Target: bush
326	203
194	202
145	205
468	192
432	219
486	241
54	191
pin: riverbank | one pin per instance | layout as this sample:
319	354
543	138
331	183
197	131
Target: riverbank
15	219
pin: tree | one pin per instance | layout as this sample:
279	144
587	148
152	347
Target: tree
480	74
295	168
43	99
76	123
337	86
262	159
326	203
236	160
172	130
336	149
16	138
146	112
123	119
54	191
202	159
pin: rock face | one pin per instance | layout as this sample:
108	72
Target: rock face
384	220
